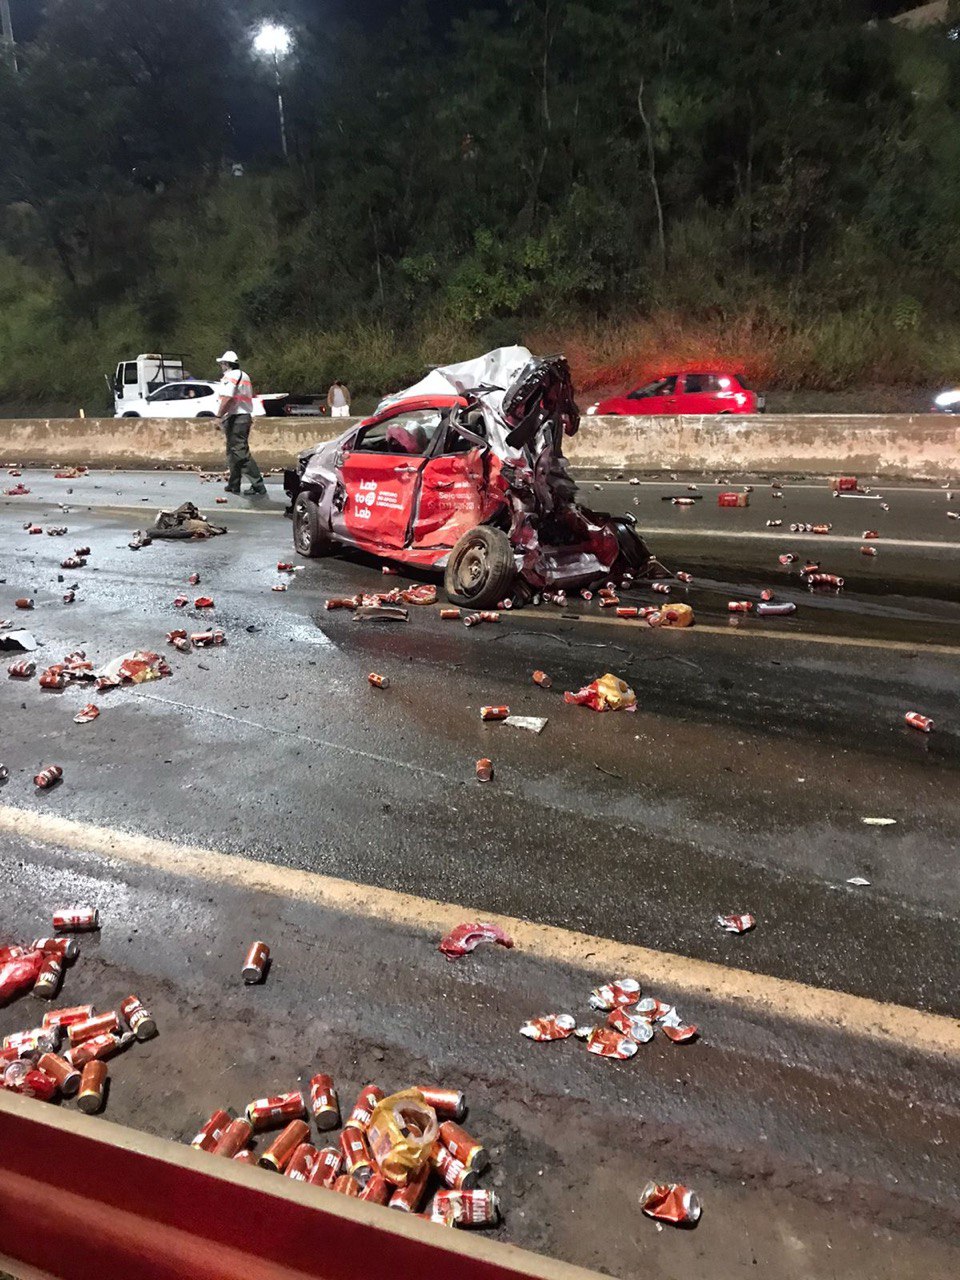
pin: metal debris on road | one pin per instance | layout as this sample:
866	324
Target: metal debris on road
380	613
378	681
618	994
467	937
670	1202
136	667
447	615
737	924
484	770
86	714
607	1042
781	609
494	713
255	965
533	724
203	602
48	777
608	693
859	882
879	822
550	1026
542	679
22	669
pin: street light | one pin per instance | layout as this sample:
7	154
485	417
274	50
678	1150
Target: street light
274	41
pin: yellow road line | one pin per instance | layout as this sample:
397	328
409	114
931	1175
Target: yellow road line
682	976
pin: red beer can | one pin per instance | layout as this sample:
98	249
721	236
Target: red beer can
362	1111
23	669
462	1147
662	587
324	1102
327	1168
378	681
740	606
280	1151
408	1199
355	1152
542	679
24	1078
255	965
97	1025
93	1083
469	1208
63	1018
140	1021
302	1162
452	1171
484	770
377	1191
269	1113
449	615
916	721
66	948
246	1156
76	919
207	1138
48	979
234	1138
67	1077
450	1104
627	611
494	713
346	1185
48	777
23	603
102	1046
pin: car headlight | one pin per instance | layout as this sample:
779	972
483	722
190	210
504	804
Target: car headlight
946	397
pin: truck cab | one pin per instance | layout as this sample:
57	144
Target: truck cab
139	378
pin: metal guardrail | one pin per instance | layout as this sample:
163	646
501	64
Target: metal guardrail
84	1199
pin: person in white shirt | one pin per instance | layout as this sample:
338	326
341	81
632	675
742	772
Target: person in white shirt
338	400
236	413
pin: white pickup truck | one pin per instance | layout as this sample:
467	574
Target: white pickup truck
156	386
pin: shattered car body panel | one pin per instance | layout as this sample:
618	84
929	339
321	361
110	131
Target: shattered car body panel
473	445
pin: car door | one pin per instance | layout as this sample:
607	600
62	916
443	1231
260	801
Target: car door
452	490
380	473
655	398
163	403
694	394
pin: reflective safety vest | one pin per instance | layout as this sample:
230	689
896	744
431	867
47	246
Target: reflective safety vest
236	385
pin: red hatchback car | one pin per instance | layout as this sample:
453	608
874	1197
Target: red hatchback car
687	393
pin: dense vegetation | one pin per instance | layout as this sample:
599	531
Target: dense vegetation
640	184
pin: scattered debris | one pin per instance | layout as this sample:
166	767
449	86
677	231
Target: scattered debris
542	679
737	924
533	724
608	693
136	667
670	1202
378	681
48	777
185	522
484	770
494	713
550	1026
86	714
255	965
466	937
917	721
24	641
380	613
859	881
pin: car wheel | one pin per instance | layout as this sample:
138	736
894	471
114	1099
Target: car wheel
481	569
206	414
131	414
308	538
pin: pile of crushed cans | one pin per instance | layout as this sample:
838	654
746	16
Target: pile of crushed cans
34	1061
407	1151
631	1021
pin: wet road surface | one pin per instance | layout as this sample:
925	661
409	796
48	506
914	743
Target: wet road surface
740	784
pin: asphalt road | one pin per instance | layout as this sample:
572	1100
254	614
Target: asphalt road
740	784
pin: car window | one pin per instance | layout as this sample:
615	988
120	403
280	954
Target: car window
456	443
409	434
130	374
165	393
662	387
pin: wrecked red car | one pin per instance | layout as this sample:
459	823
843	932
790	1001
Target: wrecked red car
465	472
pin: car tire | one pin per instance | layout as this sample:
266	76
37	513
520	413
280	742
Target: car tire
206	414
308	538
131	414
480	570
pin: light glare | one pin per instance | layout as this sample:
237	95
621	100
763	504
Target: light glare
273	40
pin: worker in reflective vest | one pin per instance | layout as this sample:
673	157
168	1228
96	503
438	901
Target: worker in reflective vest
236	414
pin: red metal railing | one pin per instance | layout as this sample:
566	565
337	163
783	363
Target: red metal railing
84	1199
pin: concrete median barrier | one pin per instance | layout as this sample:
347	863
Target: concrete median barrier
893	446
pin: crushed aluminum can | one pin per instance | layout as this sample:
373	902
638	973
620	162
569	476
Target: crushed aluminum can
453	1172
448	615
740	606
477	1208
917	721
670	1202
467	937
494	713
34	528
653	1009
24	1078
52	678
678	1032
327	1168
462	1147
66	1077
279	586
69	597
73	562
951	515
378	681
80	919
737	924
389	572
48	777
766	595
203	602
363	1108
23	603
629	1024
484	770
93	1084
731	499
205	639
542	679
821	528
868	551
36	1040
194	579
284	566
606	1042
489	615
102	1046
181	644
779	610
80	551
825	580
774	524
342	602
22	669
270	1113
615	995
212	1131
788	558
550	1026
868	534
139	1019
177	634
324	1102
86	714
685	578
255	965
885	506
181	602
662	587
449	1104
280	1151
4	773
682	502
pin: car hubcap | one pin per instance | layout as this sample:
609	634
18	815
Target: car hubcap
473	569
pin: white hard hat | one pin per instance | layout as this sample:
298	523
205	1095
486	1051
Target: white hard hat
228	357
